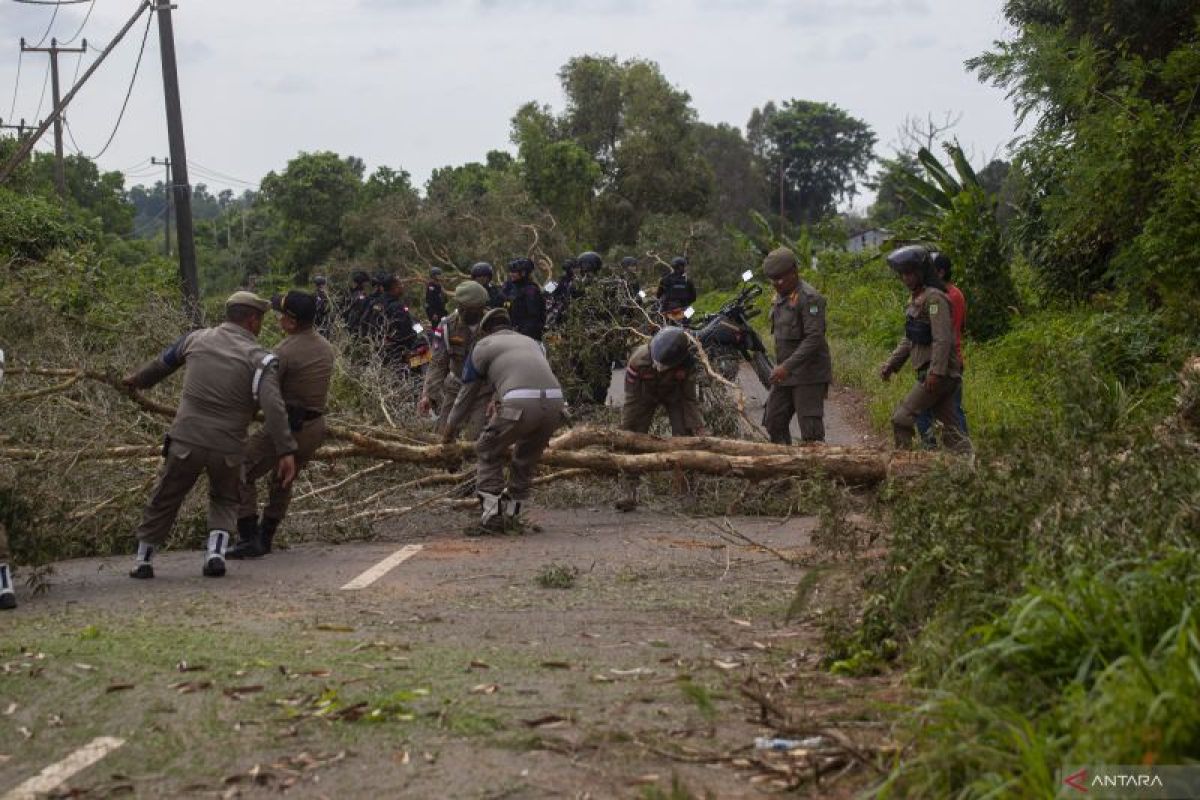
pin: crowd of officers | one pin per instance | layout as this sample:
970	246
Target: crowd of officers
490	379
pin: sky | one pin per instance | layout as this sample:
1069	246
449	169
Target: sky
419	84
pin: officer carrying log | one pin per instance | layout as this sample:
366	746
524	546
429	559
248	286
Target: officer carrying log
228	377
452	342
305	370
528	409
661	374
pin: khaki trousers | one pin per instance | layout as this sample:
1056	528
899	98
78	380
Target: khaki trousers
524	425
806	402
941	402
261	459
476	418
184	465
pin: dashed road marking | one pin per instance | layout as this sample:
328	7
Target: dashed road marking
384	567
56	775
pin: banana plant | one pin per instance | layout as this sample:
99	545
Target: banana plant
931	197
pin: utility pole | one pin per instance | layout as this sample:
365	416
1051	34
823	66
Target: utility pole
20	129
60	171
181	187
166	162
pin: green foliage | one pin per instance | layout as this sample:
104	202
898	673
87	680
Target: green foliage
1108	172
816	149
31	227
556	576
310	197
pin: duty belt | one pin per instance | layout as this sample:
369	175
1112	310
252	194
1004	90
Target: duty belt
533	394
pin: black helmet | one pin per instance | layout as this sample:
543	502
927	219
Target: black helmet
381	278
941	265
911	258
435	272
521	264
358	277
670	348
628	262
590	261
482	269
678	262
319	280
569	264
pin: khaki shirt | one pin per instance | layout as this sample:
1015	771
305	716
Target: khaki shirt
798	326
930	307
229	377
502	361
451	344
669	387
305	370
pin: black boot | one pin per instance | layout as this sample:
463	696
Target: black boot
8	600
249	540
266	533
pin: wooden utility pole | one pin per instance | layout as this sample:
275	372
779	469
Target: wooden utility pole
25	149
166	162
60	170
180	186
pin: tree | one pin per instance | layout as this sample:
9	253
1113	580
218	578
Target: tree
1110	87
738	185
813	155
309	198
624	140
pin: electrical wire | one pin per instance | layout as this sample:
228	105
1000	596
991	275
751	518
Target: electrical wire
128	93
82	25
49	27
215	175
16	86
51	2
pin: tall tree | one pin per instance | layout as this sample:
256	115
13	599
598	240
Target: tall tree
309	198
813	155
738	186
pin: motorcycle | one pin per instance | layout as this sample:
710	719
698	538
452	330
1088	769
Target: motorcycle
728	338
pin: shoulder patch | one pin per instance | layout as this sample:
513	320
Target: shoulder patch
933	309
814	309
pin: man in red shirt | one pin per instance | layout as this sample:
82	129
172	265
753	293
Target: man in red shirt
958	315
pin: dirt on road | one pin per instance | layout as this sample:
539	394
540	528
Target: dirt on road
598	654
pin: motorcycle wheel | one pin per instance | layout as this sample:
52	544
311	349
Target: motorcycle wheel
727	363
762	368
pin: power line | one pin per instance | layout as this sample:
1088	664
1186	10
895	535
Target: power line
219	175
82	25
17	85
51	2
128	93
49	27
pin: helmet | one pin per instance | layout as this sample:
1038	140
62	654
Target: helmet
569	265
670	348
521	264
941	264
678	262
494	319
359	277
629	262
911	258
435	272
590	261
482	269
381	278
319	280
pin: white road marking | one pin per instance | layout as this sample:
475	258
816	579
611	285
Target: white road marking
384	567
56	775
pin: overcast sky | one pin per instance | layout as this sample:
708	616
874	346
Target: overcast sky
419	84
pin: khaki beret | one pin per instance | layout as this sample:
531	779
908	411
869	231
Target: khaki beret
248	299
470	294
495	318
779	262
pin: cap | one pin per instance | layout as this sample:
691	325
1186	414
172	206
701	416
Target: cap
248	299
470	294
300	306
779	262
497	316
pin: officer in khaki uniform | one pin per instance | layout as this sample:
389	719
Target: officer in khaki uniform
661	374
529	407
452	342
800	382
305	370
229	377
930	343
